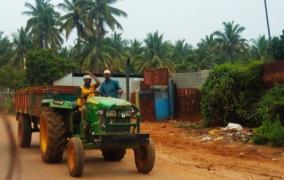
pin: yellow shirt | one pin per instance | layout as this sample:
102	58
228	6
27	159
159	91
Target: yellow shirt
87	92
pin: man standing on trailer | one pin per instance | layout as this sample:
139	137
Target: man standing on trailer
110	87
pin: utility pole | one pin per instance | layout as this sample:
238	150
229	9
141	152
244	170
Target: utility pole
268	28
127	79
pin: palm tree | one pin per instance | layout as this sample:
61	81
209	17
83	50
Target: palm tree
73	19
260	48
43	25
90	51
6	49
135	52
230	41
101	15
181	51
157	53
208	50
116	47
21	43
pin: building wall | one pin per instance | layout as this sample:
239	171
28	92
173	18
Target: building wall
190	80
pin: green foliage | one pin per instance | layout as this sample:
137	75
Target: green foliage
270	111
230	42
7	104
45	66
271	105
231	93
44	24
6	49
157	53
12	78
278	47
22	43
260	48
270	132
98	46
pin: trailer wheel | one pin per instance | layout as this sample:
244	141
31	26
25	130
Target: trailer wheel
52	136
75	157
145	157
24	131
113	154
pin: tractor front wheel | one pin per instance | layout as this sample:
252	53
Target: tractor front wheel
113	154
145	157
24	131
75	157
52	136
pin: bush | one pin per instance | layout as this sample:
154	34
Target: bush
45	66
231	94
7	104
12	78
271	105
270	132
271	112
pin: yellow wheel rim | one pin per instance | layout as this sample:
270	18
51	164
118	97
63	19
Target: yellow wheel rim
43	135
71	157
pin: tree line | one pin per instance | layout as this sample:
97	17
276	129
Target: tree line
38	48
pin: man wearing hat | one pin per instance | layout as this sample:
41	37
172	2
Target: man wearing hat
110	87
88	89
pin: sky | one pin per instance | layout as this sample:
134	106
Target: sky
176	19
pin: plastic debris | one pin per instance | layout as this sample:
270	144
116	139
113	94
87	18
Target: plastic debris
206	139
213	132
233	132
233	126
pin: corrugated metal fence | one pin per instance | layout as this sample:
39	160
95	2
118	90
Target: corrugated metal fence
188	104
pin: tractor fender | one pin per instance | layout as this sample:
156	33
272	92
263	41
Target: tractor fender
60	104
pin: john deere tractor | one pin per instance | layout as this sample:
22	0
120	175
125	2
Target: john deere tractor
106	124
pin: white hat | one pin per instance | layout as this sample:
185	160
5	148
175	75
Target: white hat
107	72
87	77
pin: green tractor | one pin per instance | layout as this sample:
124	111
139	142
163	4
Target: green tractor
106	124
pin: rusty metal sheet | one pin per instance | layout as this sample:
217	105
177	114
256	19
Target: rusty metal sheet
156	77
188	104
144	87
147	106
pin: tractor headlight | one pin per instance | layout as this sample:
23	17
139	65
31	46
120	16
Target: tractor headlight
111	113
100	112
127	113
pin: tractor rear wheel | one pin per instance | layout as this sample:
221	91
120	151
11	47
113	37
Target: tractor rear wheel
52	136
75	157
24	131
145	157
113	154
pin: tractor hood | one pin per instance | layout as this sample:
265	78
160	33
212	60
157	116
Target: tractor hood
107	102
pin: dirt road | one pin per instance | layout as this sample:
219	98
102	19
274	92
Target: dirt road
179	156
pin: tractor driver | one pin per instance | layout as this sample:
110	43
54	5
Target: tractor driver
110	87
88	89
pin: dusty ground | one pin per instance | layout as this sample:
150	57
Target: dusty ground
180	155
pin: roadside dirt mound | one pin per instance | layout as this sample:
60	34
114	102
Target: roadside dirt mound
184	147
